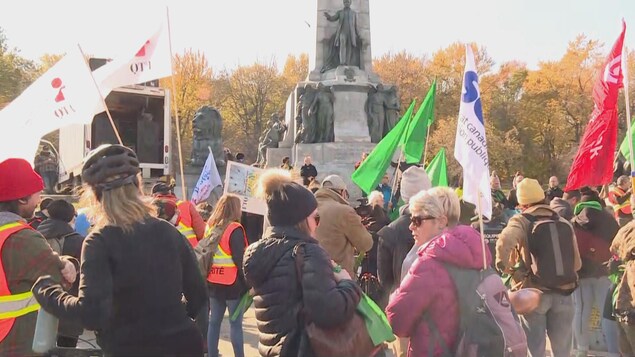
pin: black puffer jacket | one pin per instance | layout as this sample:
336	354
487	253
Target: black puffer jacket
269	266
395	241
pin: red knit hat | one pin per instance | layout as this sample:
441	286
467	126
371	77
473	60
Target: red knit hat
18	180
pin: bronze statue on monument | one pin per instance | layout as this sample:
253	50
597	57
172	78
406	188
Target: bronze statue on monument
346	44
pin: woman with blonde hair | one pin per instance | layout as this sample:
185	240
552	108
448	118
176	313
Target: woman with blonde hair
428	289
225	279
287	299
135	268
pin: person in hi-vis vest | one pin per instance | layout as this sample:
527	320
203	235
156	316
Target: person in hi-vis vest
189	216
225	279
167	210
24	257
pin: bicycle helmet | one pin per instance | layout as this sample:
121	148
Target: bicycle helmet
162	188
110	166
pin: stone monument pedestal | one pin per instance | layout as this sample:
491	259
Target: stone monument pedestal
349	83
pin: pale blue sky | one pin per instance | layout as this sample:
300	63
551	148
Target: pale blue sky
232	32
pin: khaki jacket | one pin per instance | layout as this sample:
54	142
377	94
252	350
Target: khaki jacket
623	246
340	231
511	247
25	257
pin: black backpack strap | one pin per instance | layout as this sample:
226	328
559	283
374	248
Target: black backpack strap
436	336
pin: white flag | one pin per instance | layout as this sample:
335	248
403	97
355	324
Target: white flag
470	147
65	94
207	182
150	61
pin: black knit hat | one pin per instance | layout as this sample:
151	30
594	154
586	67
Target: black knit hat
61	210
292	206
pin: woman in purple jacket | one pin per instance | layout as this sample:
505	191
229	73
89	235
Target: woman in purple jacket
428	288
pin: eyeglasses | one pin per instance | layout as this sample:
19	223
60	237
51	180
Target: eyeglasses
418	220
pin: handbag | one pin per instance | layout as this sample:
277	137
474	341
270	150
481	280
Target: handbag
350	339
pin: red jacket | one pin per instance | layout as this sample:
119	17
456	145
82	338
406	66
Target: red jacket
428	288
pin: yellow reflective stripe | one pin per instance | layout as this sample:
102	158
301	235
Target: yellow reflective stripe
16	297
12	306
10	225
222	259
186	231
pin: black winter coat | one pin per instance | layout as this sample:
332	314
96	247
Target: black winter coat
269	267
131	291
395	241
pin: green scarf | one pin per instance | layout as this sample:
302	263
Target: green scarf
590	204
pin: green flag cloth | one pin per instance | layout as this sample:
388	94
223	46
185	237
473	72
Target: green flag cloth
376	322
242	307
370	172
624	149
437	170
414	140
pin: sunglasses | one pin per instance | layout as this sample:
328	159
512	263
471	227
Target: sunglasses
418	220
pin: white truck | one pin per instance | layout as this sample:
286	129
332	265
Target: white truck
142	117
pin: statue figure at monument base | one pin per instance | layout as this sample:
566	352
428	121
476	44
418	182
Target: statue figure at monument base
270	138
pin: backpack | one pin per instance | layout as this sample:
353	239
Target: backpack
551	247
489	327
206	248
592	248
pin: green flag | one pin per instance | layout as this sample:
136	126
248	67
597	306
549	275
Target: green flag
414	140
624	149
437	170
370	172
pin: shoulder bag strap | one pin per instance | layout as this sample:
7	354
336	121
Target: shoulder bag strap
436	336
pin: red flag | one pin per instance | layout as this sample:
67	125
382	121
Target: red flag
593	164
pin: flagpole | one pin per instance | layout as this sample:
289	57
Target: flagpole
176	109
480	222
101	96
425	149
628	113
394	178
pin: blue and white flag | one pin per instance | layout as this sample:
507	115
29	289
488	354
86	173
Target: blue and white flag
207	182
470	147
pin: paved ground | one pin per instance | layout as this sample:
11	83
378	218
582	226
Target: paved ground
250	335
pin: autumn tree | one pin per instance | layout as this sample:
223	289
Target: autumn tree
296	69
16	72
556	105
193	83
248	96
407	72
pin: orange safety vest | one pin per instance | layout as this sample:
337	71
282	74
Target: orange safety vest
12	306
224	271
185	217
624	207
184	212
188	232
